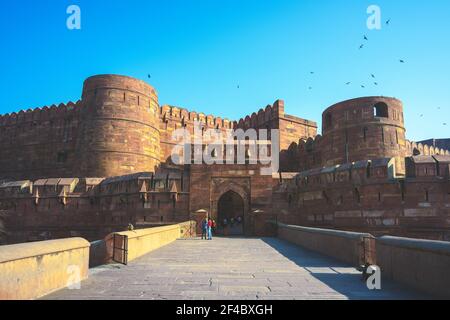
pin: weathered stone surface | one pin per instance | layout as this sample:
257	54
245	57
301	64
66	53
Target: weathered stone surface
230	268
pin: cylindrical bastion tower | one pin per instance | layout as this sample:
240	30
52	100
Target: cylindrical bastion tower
120	127
363	129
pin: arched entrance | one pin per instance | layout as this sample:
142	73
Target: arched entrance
231	207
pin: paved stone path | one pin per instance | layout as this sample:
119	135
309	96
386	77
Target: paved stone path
230	268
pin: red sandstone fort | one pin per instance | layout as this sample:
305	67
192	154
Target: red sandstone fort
92	167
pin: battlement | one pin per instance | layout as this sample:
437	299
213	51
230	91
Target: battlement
40	113
308	144
143	182
262	117
376	170
356	172
415	148
168	112
256	120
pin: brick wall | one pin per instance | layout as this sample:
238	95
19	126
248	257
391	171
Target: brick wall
367	197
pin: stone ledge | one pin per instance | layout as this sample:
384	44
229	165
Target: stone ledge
36	249
32	270
439	247
336	233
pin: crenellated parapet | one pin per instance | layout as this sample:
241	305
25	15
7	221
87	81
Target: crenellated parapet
41	114
415	148
39	142
376	170
263	118
186	117
358	173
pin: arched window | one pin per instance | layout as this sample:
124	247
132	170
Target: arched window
381	110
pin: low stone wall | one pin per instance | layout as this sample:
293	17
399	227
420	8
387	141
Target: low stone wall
123	247
420	264
350	247
141	242
32	270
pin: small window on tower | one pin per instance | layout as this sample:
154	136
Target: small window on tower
380	110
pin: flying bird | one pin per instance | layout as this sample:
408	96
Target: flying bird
310	88
312	72
445	124
421	115
348	83
149	76
363	86
238	86
388	21
365	38
361	46
375	83
402	61
373	76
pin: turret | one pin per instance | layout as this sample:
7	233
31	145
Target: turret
120	127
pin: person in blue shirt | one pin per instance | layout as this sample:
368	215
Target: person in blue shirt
205	229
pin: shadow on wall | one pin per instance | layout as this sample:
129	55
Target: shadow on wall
339	277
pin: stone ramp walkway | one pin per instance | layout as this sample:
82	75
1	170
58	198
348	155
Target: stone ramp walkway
230	269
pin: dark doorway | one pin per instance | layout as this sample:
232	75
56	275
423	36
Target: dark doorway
231	209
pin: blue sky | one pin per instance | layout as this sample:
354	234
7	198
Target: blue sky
199	51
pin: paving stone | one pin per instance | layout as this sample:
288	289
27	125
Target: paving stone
235	269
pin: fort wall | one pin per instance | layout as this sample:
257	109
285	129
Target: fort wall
354	176
40	142
91	207
368	196
173	118
292	128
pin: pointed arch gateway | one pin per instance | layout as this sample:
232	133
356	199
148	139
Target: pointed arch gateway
231	207
231	200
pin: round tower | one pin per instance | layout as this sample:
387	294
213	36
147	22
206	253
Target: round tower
363	129
120	127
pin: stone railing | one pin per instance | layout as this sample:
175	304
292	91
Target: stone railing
350	247
420	264
123	247
32	270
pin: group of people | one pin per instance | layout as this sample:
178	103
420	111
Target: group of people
208	227
230	224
